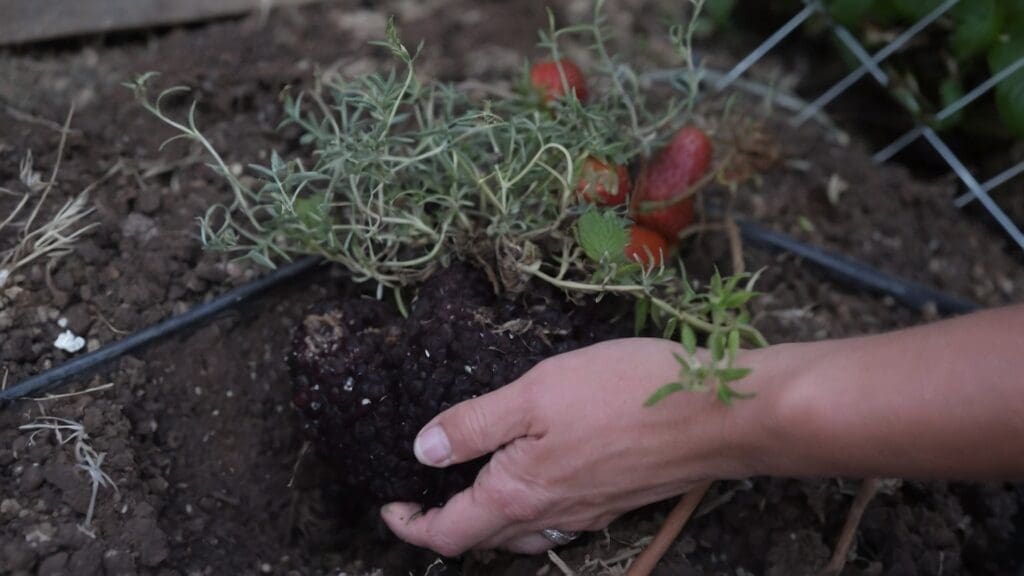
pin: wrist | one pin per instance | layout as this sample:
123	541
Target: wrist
767	427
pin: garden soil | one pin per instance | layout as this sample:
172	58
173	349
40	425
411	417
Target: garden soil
198	433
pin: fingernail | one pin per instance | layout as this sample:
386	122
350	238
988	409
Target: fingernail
432	447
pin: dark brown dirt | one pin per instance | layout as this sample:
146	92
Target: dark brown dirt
197	432
366	379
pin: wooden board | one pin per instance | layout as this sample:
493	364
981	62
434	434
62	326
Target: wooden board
23	21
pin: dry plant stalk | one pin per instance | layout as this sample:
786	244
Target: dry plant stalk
55	238
69	431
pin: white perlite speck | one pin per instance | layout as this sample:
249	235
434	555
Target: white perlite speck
68	342
4	275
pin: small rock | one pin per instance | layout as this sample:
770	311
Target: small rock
40	534
31	478
46	314
152	542
78	318
16	556
118	563
211	272
69	342
75	489
9	507
1005	284
140	227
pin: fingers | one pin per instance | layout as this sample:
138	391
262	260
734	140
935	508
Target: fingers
466	520
475	427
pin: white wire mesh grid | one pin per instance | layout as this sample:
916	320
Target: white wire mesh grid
869	66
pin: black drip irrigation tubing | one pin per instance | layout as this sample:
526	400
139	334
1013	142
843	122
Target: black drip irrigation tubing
856	274
81	365
850	272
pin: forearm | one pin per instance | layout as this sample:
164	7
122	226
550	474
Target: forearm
944	400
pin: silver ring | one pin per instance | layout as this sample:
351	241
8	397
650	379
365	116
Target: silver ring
558	537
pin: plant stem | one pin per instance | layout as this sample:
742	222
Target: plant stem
639	291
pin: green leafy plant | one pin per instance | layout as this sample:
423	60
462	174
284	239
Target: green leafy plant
975	39
400	176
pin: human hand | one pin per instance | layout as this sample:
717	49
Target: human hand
574	448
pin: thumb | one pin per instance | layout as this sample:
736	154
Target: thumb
475	427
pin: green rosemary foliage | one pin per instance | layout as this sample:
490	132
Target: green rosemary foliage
401	176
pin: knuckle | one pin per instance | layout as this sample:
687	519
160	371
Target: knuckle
516	502
445	546
473	425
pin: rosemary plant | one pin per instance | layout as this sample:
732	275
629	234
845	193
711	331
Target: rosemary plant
402	176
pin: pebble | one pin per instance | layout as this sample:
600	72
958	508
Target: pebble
31	478
140	227
9	507
118	563
40	534
77	318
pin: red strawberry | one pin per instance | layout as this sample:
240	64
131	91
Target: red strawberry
660	200
646	247
545	77
603	184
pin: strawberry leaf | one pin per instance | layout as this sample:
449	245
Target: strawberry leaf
603	236
1009	92
977	24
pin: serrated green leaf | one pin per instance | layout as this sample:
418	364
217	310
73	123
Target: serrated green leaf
689	339
664	392
976	25
1009	92
603	236
641	312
